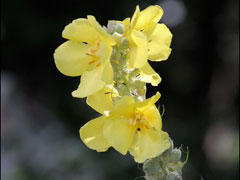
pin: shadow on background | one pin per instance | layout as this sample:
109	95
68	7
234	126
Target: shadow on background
200	91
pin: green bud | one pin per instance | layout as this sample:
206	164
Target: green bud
114	26
175	155
174	176
119	27
117	36
110	27
151	167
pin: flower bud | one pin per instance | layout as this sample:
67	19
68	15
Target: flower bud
114	26
175	155
174	176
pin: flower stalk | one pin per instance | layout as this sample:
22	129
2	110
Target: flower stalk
113	64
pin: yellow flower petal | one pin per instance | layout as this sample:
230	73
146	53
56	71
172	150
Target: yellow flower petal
142	105
94	80
126	23
149	145
107	75
104	52
150	111
90	83
103	34
92	134
153	117
102	100
138	49
134	18
119	133
148	75
149	29
123	107
150	14
159	43
82	31
71	59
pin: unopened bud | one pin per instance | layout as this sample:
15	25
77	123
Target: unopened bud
114	26
119	27
175	155
174	176
117	36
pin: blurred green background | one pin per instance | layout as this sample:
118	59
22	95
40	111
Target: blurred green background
200	91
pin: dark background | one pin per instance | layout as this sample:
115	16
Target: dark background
200	91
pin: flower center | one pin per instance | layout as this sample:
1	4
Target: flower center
92	53
139	121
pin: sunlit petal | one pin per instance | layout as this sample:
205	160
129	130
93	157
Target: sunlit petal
153	117
148	75
159	43
90	83
119	133
149	145
138	49
102	33
126	23
134	18
71	59
101	100
104	52
148	102
150	14
92	134
123	107
82	31
107	75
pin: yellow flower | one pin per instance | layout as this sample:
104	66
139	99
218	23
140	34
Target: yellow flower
128	126
86	53
147	38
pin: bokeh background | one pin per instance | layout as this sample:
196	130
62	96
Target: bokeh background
200	91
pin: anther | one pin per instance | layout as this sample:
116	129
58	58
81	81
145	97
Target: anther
91	61
99	64
107	92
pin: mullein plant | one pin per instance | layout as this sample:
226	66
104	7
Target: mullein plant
113	64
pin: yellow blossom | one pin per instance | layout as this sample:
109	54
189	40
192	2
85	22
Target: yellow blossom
127	126
147	38
86	53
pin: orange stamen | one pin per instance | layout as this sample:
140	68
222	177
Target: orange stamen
146	126
92	61
96	59
98	44
99	64
92	51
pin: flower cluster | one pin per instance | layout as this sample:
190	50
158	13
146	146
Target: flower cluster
113	64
